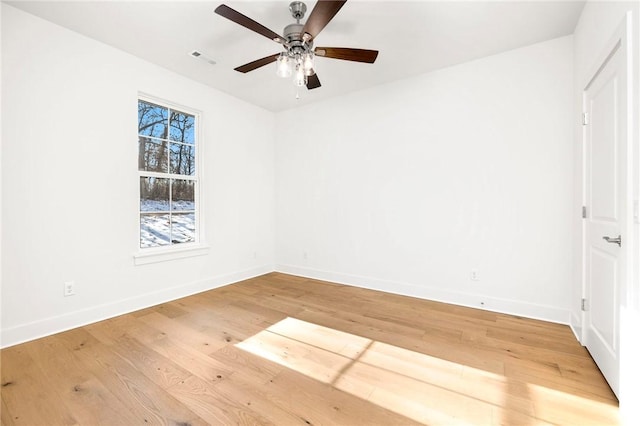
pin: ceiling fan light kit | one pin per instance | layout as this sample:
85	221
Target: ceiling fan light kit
298	57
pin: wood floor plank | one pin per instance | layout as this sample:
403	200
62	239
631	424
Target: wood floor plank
204	399
146	400
23	383
253	395
558	383
511	350
188	358
87	399
225	325
160	370
169	310
183	334
243	363
532	326
316	403
5	416
280	349
379	324
538	340
112	330
382	334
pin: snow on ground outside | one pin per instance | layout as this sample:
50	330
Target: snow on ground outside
157	229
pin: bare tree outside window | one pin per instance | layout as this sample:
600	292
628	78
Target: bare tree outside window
167	168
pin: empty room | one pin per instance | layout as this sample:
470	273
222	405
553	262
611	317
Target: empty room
322	212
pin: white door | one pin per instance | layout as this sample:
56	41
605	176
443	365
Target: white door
605	179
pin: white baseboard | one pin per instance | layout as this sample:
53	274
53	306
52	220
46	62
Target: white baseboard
576	326
48	326
512	307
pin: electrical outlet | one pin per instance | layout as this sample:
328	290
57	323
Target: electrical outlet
305	255
69	288
475	275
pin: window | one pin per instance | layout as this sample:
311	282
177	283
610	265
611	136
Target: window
167	167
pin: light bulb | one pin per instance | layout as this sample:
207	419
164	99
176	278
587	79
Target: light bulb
307	63
283	68
299	79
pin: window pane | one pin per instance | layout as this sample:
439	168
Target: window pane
152	155
183	195
152	120
183	159
154	194
166	150
182	127
183	228
154	230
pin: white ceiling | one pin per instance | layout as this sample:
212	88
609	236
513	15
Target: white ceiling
413	37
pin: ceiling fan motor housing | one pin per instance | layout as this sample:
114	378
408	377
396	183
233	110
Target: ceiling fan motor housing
294	41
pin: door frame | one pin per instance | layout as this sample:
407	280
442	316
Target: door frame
620	41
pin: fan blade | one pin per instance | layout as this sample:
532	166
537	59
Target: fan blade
320	16
348	54
257	63
313	82
239	18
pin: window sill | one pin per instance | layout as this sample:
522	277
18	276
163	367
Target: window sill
166	254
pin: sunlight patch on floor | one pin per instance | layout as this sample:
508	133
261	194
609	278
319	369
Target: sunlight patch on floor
546	401
424	388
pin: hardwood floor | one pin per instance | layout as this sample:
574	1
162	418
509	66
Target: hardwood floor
286	350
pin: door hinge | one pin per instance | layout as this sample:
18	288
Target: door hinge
583	305
585	118
584	212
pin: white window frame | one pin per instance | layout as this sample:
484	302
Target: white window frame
148	255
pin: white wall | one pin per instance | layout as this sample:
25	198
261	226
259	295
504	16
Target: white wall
70	186
407	187
597	25
0	180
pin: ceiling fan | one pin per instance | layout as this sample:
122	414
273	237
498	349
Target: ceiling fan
297	59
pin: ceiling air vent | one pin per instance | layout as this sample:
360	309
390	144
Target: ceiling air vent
202	56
